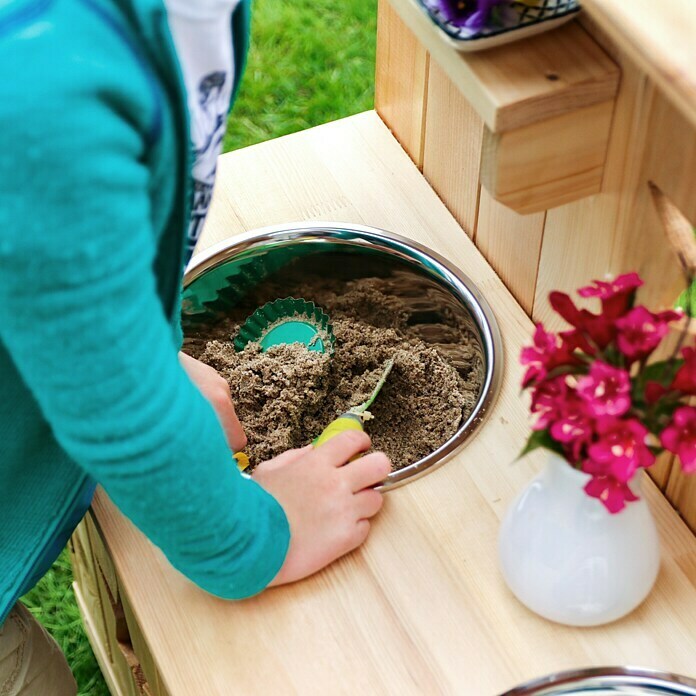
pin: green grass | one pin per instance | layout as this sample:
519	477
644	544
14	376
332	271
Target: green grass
310	62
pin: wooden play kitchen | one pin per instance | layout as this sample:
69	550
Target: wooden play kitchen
527	167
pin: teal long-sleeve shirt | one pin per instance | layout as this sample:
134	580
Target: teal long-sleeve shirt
94	192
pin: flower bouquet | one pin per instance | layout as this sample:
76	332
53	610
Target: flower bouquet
599	401
606	401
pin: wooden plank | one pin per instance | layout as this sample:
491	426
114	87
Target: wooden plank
84	571
401	79
549	163
670	161
452	156
107	670
421	608
593	237
659	38
524	82
143	654
681	491
661	471
115	624
511	243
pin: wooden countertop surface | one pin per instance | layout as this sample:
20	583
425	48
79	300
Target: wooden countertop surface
421	608
660	37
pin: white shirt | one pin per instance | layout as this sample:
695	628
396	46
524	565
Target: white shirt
202	35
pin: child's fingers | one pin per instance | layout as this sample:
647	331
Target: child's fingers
281	460
216	390
368	503
234	432
368	471
341	448
362	529
291	456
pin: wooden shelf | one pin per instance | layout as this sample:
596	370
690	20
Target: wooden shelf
521	83
421	608
546	104
660	38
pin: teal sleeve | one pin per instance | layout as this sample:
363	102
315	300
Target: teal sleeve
81	317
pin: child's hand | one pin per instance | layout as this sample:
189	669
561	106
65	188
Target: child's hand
327	504
217	392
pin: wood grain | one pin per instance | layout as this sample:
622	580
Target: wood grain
96	641
681	490
597	236
524	82
512	244
657	37
421	608
401	81
549	163
452	154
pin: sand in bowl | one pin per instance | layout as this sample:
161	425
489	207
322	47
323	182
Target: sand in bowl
286	396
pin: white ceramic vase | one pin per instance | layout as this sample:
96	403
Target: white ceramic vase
568	559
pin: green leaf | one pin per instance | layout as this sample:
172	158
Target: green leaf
541	439
565	370
661	372
687	300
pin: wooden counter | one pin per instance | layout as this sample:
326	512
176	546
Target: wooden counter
421	608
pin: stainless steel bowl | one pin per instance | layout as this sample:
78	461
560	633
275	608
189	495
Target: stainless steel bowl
605	681
435	290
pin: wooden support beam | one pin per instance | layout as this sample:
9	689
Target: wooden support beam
401	78
548	163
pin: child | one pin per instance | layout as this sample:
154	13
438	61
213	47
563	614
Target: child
97	178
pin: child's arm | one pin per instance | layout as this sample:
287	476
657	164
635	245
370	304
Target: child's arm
81	317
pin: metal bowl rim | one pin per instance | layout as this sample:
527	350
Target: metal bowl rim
595	677
467	293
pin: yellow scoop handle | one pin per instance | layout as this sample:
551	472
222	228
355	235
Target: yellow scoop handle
347	421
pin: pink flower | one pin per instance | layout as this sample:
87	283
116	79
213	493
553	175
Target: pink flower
621	448
679	437
547	400
641	331
599	328
606	389
611	493
573	426
685	379
548	352
616	295
628	282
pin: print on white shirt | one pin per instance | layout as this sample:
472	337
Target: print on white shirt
207	130
202	34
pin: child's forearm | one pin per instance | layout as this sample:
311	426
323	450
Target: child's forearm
80	314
